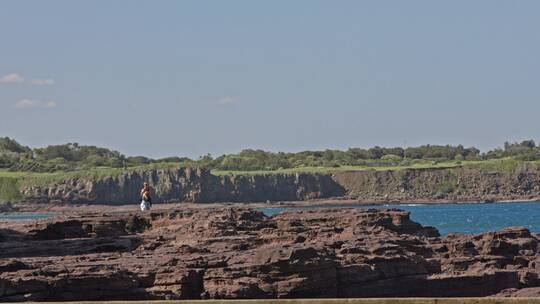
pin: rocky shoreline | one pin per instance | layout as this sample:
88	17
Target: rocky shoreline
70	208
238	253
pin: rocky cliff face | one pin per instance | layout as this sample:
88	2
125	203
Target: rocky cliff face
457	184
198	185
241	253
190	185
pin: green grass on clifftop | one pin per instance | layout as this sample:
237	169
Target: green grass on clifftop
425	165
39	179
492	165
10	181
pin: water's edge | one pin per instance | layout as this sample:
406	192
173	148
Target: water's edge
454	218
446	217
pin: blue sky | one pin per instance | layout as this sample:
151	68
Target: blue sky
162	78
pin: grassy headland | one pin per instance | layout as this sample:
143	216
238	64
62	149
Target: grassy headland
21	165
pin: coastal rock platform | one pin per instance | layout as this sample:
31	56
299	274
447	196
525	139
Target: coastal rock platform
239	253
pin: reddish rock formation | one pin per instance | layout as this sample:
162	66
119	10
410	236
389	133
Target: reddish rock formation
241	253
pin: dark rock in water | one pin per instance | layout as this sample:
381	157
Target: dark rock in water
228	253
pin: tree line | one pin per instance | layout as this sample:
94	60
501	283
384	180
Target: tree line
72	156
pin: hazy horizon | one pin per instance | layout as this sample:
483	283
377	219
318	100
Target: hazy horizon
189	78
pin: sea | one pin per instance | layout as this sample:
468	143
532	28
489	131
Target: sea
459	218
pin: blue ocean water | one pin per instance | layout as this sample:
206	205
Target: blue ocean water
460	218
24	216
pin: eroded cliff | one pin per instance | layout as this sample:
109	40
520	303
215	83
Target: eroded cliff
188	185
199	185
456	184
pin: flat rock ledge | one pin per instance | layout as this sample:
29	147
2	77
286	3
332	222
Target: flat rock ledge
239	253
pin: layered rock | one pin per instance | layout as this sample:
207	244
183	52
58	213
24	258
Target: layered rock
241	253
455	184
188	185
199	185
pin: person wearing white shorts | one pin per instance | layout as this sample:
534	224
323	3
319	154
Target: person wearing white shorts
146	202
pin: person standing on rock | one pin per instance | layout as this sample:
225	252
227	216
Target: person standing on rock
146	203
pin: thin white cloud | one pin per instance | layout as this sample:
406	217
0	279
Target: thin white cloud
46	81
34	104
12	78
227	100
18	78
